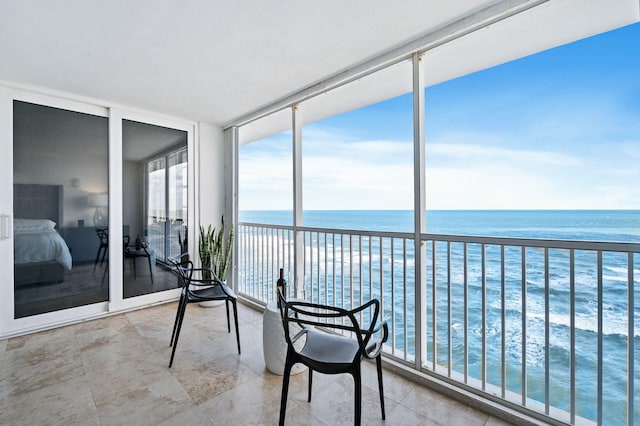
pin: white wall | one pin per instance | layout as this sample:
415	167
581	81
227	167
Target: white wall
210	190
132	197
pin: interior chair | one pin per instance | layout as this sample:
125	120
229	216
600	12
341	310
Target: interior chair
330	340
199	285
103	236
133	253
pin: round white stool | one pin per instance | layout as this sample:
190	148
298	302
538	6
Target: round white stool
273	342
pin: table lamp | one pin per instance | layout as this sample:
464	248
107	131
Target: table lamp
98	201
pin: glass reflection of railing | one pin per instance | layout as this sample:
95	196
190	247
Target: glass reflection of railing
168	237
543	325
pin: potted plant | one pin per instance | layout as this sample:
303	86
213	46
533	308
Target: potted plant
215	247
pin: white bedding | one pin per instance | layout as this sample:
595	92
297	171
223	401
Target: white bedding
40	245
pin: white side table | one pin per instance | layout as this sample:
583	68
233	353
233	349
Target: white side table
273	342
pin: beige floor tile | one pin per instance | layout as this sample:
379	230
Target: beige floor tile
403	416
3	348
61	403
155	403
193	417
253	402
445	411
493	421
110	377
34	366
395	387
204	381
334	402
115	371
36	340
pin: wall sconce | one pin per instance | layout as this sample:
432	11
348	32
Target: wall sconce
98	201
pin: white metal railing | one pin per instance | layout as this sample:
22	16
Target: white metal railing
547	326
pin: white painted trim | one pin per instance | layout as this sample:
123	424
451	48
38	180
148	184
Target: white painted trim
298	207
232	143
88	102
6	207
116	261
419	208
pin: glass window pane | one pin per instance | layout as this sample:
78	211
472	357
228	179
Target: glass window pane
155	205
265	172
360	159
61	204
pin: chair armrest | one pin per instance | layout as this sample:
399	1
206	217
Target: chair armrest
372	352
205	281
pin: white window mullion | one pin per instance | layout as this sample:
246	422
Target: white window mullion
298	264
419	208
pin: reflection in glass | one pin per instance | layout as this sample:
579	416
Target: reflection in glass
177	203
154	205
156	177
60	174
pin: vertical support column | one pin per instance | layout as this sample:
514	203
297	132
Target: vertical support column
298	252
231	143
419	208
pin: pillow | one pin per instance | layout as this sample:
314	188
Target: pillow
33	225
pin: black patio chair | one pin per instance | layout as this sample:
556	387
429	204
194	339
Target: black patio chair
103	248
331	341
200	285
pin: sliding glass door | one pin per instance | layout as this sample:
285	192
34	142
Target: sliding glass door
93	202
155	205
60	208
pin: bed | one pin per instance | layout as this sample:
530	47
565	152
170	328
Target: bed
40	253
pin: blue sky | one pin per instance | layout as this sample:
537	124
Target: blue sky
556	130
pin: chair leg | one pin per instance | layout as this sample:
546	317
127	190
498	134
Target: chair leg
133	261
97	258
104	254
175	341
380	387
235	317
175	323
310	384
104	274
285	390
358	396
150	270
226	304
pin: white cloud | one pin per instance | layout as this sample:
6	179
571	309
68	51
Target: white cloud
340	173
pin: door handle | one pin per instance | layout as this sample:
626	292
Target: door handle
5	227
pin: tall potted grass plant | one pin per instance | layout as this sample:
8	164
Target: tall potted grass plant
215	247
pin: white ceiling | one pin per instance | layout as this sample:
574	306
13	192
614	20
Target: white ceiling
206	60
214	60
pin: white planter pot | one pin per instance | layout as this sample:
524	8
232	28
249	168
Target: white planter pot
211	303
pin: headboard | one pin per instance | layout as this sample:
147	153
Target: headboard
34	201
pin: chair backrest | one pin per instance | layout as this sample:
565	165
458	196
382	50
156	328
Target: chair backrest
331	319
103	235
183	269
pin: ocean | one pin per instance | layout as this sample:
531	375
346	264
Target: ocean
587	225
581	225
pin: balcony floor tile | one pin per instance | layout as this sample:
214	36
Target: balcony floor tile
114	370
